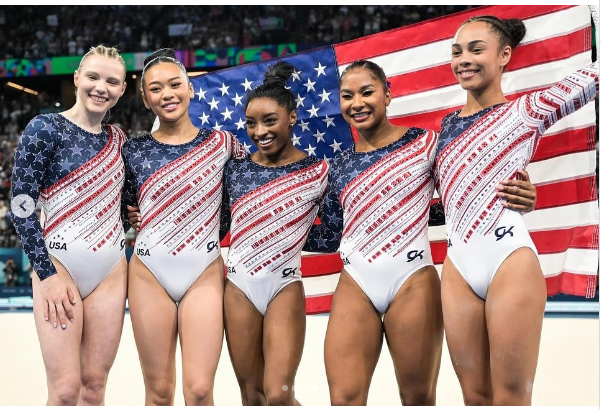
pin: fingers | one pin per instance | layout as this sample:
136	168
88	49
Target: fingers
525	176
53	315
69	313
71	295
62	317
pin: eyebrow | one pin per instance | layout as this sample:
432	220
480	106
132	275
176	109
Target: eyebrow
159	82
264	116
360	89
471	43
95	73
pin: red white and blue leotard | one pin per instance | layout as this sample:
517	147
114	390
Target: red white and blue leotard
476	152
78	176
178	189
271	211
377	209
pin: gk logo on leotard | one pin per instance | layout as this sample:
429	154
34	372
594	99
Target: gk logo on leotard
413	254
289	271
122	244
449	243
346	261
500	232
212	245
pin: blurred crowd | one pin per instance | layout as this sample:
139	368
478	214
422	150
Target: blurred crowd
46	31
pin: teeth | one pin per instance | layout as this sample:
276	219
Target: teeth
98	99
361	115
169	106
265	141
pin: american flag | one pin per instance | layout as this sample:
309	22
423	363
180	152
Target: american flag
565	224
320	129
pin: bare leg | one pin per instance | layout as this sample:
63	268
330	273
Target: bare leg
283	341
515	308
244	334
467	338
353	343
201	334
60	348
104	310
154	320
413	327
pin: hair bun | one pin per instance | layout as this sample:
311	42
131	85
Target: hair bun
278	73
163	52
516	30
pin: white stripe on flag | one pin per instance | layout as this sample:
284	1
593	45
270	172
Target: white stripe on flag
321	285
575	261
580	214
565	167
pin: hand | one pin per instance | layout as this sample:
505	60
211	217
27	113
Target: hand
58	299
518	195
134	217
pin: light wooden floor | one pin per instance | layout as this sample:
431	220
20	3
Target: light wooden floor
567	375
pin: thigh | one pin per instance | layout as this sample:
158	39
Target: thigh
154	321
466	334
244	334
200	315
353	343
60	348
515	308
284	336
104	311
413	328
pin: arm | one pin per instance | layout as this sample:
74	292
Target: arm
226	216
130	215
325	237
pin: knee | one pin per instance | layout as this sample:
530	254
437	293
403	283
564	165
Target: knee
252	395
65	393
477	398
347	397
199	394
513	393
279	396
160	393
92	388
419	397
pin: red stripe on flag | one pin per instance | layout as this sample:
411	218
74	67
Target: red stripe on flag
566	142
316	265
427	32
573	284
558	241
528	55
318	304
566	192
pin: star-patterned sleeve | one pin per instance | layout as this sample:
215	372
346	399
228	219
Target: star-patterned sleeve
32	161
130	192
325	237
236	149
226	217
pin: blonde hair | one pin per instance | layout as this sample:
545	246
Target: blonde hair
108	52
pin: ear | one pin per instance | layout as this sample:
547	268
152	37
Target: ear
191	89
292	118
76	78
123	89
387	97
144	98
505	56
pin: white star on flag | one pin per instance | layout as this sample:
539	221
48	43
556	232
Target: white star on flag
310	150
325	96
329	121
246	84
213	104
309	84
224	89
296	75
299	101
204	118
319	136
304	126
227	114
295	140
246	147
237	99
201	93
217	127
240	124
336	146
313	111
321	69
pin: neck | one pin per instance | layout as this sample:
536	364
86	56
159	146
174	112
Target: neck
176	132
288	154
479	100
380	136
89	121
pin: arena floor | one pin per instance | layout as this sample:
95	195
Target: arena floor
567	375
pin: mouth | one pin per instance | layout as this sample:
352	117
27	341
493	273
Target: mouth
172	106
263	143
464	74
100	100
361	116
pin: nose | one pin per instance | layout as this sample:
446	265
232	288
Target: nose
100	87
357	102
261	130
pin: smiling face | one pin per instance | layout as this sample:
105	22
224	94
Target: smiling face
477	60
100	82
269	126
167	91
363	99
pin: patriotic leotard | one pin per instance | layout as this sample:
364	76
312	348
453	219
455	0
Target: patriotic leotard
377	209
271	211
478	151
178	189
77	176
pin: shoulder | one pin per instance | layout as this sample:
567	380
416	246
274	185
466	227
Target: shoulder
41	128
134	144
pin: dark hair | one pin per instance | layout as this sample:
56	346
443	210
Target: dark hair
376	70
274	86
162	55
510	31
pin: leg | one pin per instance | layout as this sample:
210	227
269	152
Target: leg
154	321
353	343
104	311
413	327
467	339
244	334
283	342
60	348
201	334
515	308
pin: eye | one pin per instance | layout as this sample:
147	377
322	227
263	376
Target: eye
92	77
455	53
368	92
346	96
175	84
154	89
113	82
270	121
250	123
